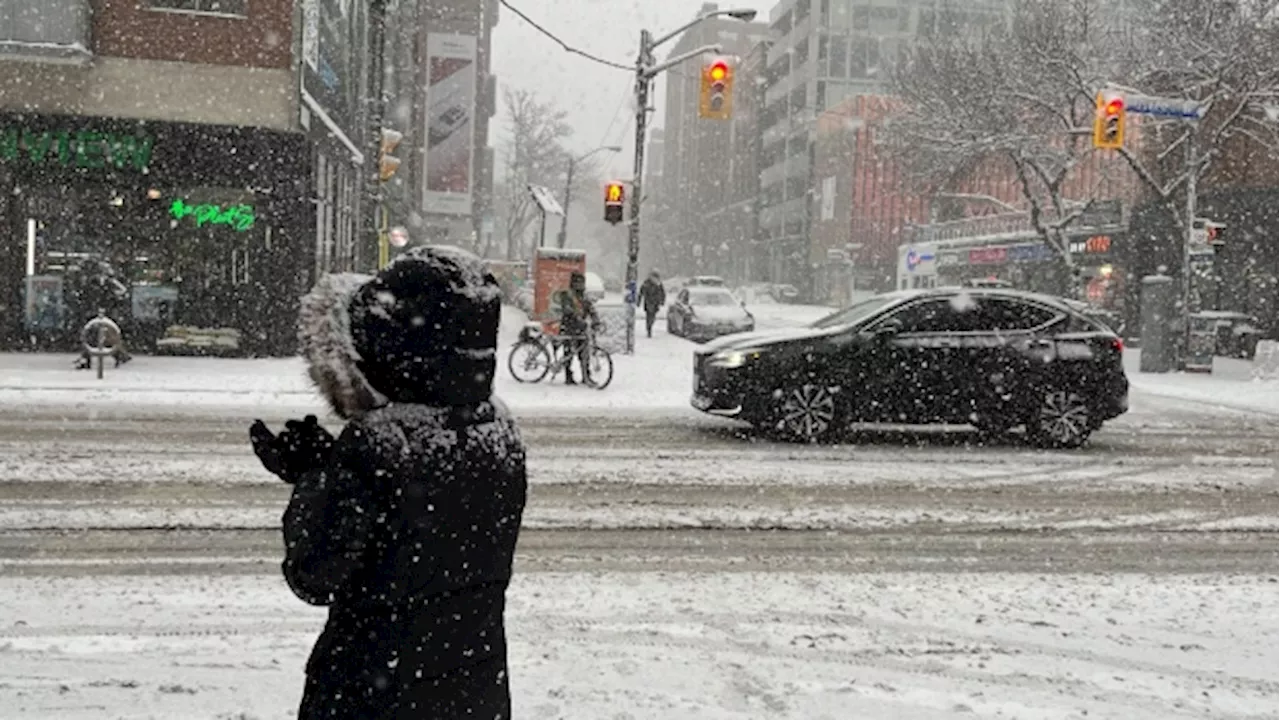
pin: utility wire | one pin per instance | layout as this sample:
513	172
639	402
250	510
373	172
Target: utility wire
565	46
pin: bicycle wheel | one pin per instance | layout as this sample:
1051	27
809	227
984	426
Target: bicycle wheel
528	362
600	363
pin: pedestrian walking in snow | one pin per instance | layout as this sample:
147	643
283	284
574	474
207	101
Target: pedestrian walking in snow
404	525
652	297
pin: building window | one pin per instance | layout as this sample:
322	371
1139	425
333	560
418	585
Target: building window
237	8
839	57
54	28
861	17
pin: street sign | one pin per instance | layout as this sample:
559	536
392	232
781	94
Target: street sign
1163	107
546	201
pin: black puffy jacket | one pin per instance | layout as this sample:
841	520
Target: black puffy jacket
408	531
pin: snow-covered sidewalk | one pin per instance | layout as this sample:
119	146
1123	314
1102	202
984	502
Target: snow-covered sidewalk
657	377
1231	385
675	646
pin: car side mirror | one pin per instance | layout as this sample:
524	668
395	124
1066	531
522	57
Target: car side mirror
888	330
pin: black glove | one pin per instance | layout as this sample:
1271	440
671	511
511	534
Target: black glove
304	445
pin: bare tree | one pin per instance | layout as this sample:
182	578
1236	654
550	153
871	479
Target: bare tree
1017	99
534	153
1221	54
1024	97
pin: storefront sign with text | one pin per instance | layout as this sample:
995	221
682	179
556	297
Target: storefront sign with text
79	148
239	217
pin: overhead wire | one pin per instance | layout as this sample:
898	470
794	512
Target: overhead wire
563	45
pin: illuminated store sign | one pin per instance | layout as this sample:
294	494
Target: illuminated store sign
239	217
78	148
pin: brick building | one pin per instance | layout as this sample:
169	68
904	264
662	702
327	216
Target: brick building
168	139
868	208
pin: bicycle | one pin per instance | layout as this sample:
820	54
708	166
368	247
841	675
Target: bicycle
537	355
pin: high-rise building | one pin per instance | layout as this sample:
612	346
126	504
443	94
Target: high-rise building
441	95
823	52
700	158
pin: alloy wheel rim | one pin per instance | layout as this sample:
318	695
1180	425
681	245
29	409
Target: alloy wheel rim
1064	417
809	411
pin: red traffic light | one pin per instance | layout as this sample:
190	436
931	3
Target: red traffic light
718	71
1115	107
613	193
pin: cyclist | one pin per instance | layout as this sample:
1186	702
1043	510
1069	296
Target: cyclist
576	311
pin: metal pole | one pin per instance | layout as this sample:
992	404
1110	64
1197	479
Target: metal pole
377	50
1186	246
633	228
564	219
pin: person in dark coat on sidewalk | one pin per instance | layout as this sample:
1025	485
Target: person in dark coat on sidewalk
652	297
405	525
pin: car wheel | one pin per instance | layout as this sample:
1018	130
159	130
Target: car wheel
1061	421
808	412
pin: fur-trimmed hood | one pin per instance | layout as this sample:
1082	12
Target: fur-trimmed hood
324	334
423	331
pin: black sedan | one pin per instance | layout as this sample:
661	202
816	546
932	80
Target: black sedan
992	358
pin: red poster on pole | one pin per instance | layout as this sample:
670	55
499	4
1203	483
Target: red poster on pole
551	270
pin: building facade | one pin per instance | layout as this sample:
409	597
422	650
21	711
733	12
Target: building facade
823	52
442	96
155	147
708	184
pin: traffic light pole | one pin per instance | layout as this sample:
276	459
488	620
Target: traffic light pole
646	71
376	105
562	237
1192	172
644	61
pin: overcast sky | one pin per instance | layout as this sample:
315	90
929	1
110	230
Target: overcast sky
597	98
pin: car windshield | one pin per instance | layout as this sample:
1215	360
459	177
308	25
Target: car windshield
701	299
855	312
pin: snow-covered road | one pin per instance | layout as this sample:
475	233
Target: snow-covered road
672	565
637	646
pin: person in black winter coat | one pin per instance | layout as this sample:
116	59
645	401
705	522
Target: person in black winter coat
405	525
652	296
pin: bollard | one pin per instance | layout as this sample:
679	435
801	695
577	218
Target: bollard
1158	324
101	336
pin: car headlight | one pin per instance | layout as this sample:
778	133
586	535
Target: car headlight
734	358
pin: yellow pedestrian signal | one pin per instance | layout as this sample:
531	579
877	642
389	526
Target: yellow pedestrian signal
614	196
715	102
388	163
1108	124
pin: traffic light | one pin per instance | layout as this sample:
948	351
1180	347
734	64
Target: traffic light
1108	125
614	197
388	163
715	102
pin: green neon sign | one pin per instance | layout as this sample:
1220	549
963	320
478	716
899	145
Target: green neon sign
239	217
79	148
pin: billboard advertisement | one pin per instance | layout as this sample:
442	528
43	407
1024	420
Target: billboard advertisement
450	132
332	45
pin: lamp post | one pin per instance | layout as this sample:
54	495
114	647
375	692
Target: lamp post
646	70
568	190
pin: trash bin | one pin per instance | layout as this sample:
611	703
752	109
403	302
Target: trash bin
1203	342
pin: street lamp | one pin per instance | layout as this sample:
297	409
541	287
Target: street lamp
568	190
647	68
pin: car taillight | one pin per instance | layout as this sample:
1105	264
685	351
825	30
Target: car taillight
1117	344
